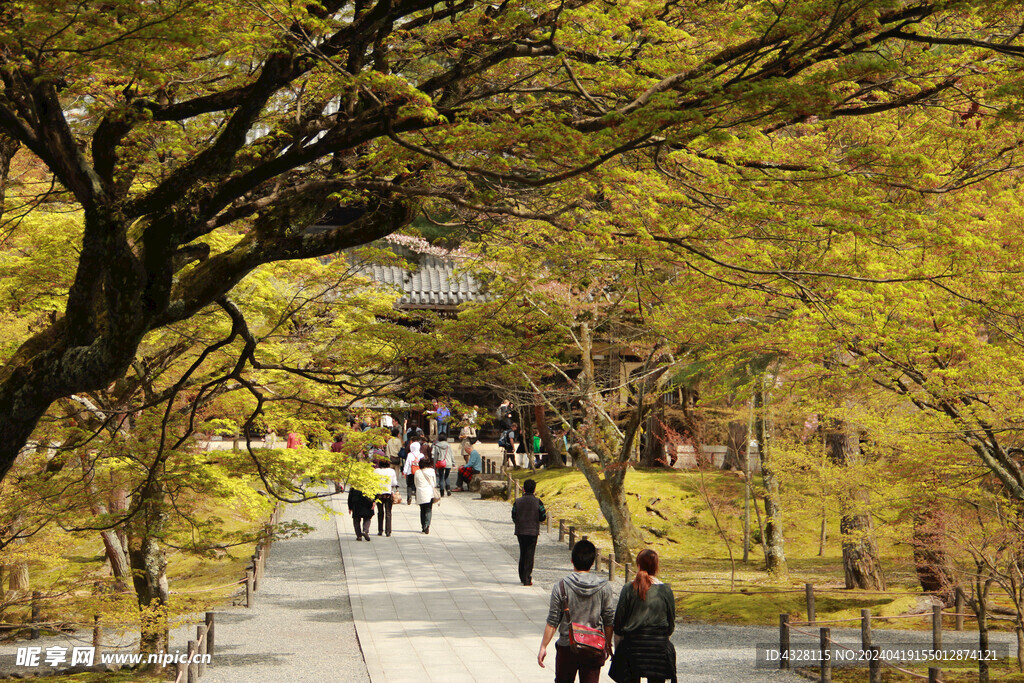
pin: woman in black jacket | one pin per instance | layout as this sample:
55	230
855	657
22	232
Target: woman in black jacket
644	620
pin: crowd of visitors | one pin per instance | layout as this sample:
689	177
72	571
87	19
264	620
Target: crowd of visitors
591	624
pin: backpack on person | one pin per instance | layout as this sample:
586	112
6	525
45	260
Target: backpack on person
506	439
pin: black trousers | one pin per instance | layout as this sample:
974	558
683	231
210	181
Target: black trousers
527	550
384	503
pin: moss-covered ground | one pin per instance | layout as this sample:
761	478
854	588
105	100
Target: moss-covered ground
673	510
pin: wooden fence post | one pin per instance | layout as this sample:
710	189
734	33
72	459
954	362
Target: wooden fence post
625	572
572	537
201	649
783	641
209	634
611	567
959	609
561	531
865	629
193	668
97	631
874	665
936	627
248	588
547	523
809	591
934	674
826	661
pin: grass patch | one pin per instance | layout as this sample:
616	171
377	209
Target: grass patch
673	518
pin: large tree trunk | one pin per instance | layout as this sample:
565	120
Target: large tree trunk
610	494
775	555
149	568
736	442
608	485
980	607
8	148
552	451
930	560
861	566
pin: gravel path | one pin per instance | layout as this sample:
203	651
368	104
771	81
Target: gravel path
301	628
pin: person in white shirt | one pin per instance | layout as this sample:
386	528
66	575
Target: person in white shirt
412	463
426	480
385	499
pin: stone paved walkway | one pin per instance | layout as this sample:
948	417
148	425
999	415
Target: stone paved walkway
447	606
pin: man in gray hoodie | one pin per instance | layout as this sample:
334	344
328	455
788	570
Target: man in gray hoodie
591	602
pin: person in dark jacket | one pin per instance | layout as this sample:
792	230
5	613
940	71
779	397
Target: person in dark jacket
528	512
360	506
644	620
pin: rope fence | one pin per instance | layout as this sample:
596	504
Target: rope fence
875	661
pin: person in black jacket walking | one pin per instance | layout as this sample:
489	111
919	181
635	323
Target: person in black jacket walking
527	513
360	506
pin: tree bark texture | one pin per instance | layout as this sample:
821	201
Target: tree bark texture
552	451
149	567
610	494
861	566
930	560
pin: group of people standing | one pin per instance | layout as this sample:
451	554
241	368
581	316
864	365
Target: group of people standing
427	467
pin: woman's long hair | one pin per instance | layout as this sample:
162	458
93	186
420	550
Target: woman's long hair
646	568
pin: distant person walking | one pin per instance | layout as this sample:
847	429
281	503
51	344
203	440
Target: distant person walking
360	506
412	463
507	443
504	413
644	620
426	483
294	440
385	499
444	416
338	446
393	446
579	598
432	419
527	513
444	460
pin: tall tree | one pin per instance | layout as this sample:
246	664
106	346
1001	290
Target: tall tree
861	566
170	121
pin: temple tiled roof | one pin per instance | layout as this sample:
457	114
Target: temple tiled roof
433	284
